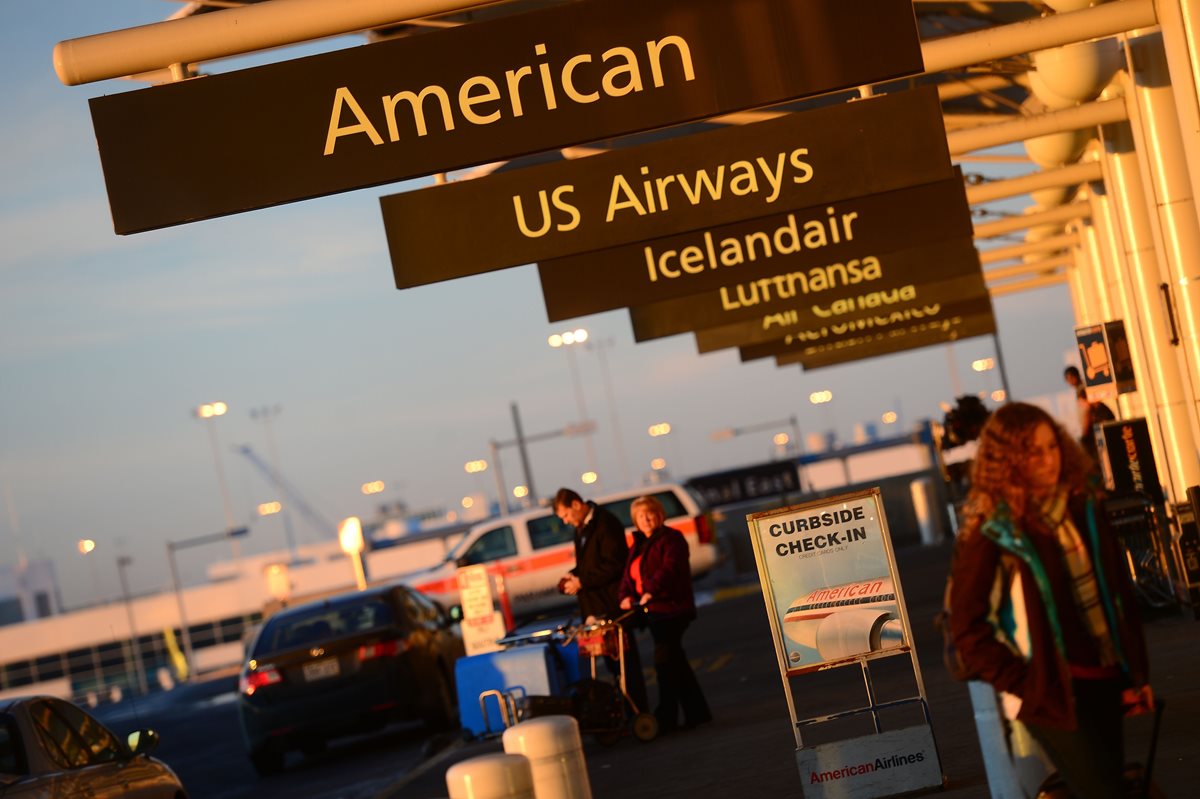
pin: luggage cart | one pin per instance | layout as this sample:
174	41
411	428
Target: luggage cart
599	705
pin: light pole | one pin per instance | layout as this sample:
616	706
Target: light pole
350	537
207	413
825	397
567	340
172	547
265	414
136	650
618	435
86	546
779	439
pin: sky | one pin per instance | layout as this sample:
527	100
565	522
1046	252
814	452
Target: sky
108	344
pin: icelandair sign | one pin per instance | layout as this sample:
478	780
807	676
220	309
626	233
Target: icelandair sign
479	93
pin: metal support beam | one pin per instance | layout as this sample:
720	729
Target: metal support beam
997	254
230	32
1028	285
1062	214
1033	268
1074	174
262	26
1028	36
1088	115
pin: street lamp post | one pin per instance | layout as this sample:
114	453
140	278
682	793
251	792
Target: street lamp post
136	650
618	436
172	547
207	412
265	414
567	340
86	546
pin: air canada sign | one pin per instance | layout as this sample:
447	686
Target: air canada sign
478	93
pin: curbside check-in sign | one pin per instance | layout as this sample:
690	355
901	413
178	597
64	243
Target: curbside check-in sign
482	92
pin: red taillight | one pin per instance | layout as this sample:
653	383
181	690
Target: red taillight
259	678
704	531
382	649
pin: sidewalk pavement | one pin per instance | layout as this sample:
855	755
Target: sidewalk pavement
748	751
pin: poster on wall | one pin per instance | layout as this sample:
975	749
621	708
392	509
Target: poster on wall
830	583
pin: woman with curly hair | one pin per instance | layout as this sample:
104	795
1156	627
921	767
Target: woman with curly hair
1041	605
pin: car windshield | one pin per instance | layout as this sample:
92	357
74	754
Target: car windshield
322	624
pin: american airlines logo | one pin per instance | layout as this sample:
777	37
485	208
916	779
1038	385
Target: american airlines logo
868	767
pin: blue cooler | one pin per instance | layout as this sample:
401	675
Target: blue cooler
527	670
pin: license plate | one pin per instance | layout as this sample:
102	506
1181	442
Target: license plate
321	669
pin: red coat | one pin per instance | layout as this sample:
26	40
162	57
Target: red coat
666	574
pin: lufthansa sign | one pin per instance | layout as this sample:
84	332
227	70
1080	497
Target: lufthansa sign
482	92
870	280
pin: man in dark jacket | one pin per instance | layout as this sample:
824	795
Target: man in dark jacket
601	550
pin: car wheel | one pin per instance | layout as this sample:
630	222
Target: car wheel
443	712
266	761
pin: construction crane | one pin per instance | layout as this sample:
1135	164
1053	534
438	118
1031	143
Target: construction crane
318	522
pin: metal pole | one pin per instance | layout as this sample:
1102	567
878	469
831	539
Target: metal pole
183	625
1000	365
618	435
589	449
226	502
265	414
138	667
501	489
516	415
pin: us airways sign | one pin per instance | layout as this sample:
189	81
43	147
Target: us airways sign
478	93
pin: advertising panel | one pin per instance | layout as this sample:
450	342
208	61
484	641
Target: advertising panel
709	258
477	93
870	280
1104	356
666	187
1127	459
830	583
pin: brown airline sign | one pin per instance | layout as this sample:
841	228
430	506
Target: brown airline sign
869	280
706	259
664	188
482	92
911	337
929	304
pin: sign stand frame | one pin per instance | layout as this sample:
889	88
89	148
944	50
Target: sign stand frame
873	497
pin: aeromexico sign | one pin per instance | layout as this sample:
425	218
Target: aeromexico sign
667	187
482	92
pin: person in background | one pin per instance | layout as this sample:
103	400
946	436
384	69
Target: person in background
601	550
1041	605
658	577
1090	413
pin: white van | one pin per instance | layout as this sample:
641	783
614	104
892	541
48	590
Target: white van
531	550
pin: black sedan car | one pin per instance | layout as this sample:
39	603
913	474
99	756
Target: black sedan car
50	747
345	665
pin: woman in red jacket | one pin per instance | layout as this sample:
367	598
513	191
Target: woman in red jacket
658	577
1041	604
